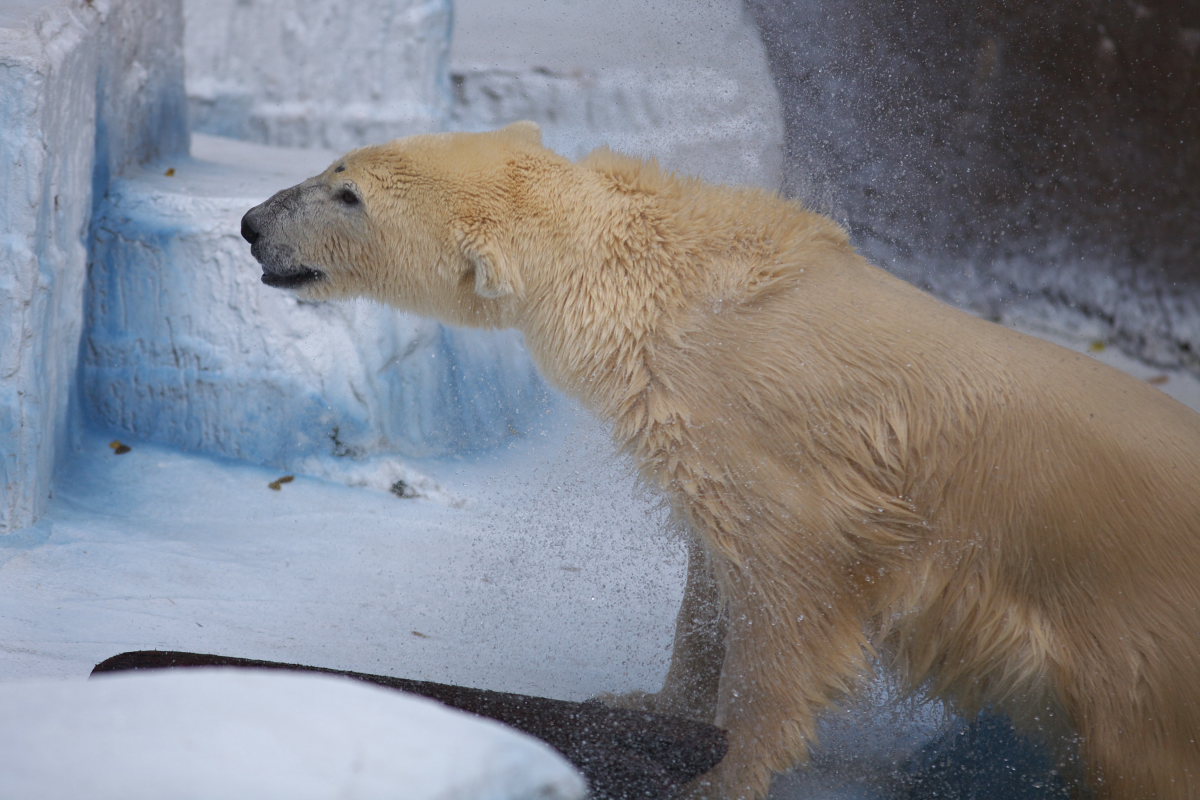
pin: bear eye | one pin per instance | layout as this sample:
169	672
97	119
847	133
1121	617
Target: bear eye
348	197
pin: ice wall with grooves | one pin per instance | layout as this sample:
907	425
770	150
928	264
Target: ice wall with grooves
317	74
85	89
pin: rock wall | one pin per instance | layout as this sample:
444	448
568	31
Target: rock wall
111	218
1027	160
85	89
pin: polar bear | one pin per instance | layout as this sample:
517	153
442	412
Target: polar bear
868	474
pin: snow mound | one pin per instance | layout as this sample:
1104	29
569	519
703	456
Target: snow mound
236	733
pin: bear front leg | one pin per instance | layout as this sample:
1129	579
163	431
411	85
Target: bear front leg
786	663
690	688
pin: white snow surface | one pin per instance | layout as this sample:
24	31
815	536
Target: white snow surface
200	734
549	575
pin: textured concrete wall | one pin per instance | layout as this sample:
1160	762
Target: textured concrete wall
1036	160
85	89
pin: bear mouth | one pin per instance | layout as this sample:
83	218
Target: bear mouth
292	280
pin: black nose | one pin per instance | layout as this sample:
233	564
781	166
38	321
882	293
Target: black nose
249	232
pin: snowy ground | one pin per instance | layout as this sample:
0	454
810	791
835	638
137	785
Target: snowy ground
543	574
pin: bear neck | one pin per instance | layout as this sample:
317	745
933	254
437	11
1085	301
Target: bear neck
602	297
619	289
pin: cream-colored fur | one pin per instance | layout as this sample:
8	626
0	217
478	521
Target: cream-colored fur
867	472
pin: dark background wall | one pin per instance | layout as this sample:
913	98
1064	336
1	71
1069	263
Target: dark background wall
1016	157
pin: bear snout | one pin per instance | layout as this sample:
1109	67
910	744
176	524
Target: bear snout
249	229
278	260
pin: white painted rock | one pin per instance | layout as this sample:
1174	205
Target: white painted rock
205	734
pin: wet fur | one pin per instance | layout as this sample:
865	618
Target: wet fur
867	472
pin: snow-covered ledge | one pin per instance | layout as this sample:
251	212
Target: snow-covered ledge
85	90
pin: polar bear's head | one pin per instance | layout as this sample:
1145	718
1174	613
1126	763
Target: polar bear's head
413	223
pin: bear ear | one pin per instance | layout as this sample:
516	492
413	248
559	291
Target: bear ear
525	131
495	275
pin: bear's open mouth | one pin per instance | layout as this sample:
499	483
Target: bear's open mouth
291	280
